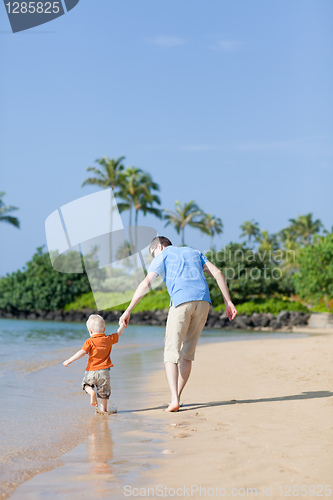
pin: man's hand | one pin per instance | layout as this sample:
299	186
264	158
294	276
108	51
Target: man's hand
230	310
66	363
124	319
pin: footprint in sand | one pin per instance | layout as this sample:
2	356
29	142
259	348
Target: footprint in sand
182	435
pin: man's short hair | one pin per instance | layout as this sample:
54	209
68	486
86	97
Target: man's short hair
96	323
159	240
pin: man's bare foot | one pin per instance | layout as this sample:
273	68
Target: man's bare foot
173	406
93	400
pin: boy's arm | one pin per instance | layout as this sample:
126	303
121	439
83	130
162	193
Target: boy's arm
76	356
212	270
121	329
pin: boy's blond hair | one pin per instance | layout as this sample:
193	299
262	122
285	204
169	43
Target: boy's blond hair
96	323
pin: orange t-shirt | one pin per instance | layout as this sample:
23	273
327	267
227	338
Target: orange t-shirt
99	348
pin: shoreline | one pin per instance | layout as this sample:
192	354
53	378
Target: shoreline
254	413
284	320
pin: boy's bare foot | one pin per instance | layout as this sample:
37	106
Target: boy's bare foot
101	412
173	406
106	412
93	400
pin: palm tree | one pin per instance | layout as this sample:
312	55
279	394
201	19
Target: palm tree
213	226
289	247
287	238
107	177
304	227
136	189
5	209
188	214
250	229
267	242
137	192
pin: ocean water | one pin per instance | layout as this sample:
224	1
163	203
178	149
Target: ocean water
45	414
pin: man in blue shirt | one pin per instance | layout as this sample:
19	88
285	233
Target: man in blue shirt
182	269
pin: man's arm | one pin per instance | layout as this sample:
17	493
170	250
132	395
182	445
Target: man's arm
140	292
76	356
212	270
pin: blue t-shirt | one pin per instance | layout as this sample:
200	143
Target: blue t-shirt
181	270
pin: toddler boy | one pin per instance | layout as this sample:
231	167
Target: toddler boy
97	373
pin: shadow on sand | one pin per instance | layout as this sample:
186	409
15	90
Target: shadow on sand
198	406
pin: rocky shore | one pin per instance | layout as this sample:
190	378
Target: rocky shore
257	321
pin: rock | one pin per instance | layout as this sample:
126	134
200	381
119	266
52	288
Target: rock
276	324
239	322
78	316
32	316
41	314
161	315
284	317
266	320
300	319
111	317
222	321
256	319
8	315
211	321
154	322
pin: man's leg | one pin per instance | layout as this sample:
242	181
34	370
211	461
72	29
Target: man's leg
171	370
178	321
184	368
187	352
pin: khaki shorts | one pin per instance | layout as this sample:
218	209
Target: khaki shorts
183	329
100	379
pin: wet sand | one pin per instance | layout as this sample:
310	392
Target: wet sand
256	414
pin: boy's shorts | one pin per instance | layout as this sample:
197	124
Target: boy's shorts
100	379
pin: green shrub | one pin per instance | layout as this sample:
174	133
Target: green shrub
314	282
266	306
155	299
39	286
250	275
321	308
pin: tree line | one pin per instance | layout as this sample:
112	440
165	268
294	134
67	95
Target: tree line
300	256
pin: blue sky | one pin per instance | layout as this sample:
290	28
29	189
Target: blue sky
225	102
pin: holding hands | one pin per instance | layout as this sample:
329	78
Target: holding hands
124	319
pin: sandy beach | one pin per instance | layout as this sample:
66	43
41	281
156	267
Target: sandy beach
256	414
256	421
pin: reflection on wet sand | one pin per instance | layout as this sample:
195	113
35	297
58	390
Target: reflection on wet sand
88	471
100	448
